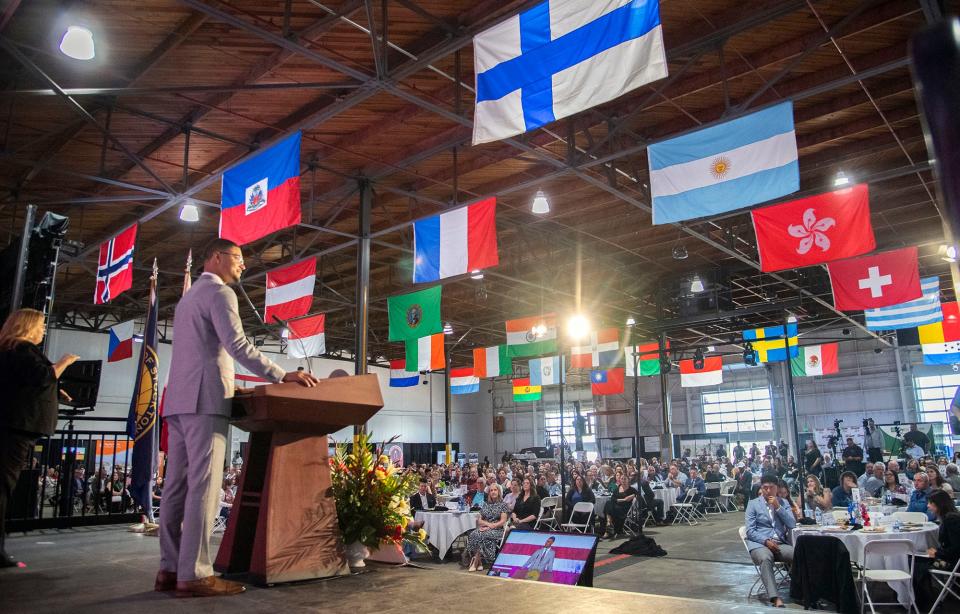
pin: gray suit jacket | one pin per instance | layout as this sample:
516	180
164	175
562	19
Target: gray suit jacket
763	523
207	332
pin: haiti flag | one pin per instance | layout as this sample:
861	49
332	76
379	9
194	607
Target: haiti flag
262	195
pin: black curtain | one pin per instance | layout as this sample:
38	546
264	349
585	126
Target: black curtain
425	452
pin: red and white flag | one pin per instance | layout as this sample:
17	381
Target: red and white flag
813	230
305	337
875	281
115	266
290	290
710	375
602	351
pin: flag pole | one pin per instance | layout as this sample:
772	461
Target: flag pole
563	464
636	403
793	403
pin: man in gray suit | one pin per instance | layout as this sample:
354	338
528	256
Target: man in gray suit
207	337
769	524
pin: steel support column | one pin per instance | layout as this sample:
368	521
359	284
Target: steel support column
447	409
791	398
665	408
363	285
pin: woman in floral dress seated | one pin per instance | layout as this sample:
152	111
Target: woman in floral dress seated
482	543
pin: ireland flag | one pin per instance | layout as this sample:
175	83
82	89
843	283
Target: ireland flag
815	360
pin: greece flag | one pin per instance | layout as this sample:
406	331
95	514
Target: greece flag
742	162
918	312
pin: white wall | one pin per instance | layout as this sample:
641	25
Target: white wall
406	411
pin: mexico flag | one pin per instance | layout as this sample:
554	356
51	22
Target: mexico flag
815	360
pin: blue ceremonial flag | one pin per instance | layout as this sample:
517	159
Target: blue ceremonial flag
561	57
545	371
142	419
768	343
742	162
918	312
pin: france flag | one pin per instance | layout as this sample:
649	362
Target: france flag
455	242
742	162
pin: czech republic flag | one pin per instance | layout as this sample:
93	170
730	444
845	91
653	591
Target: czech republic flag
262	195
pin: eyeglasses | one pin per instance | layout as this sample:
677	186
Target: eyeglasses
239	257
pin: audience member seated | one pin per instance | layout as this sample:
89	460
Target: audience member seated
527	507
952	476
842	494
697	483
617	508
672	479
511	497
937	482
477	498
873	484
893	488
817	497
867	474
650	500
579	492
553	487
783	491
769	521
482	543
422	499
913	466
542	491
920	495
942	558
713	474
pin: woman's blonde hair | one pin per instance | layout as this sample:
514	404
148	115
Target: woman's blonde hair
18	327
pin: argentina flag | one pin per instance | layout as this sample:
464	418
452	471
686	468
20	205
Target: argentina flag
561	57
918	312
742	162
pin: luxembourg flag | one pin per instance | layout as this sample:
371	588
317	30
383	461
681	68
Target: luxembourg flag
742	162
306	337
115	266
400	377
456	242
121	342
463	381
290	290
262	194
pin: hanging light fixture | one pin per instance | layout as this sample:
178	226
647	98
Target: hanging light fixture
476	274
77	43
948	253
447	328
841	179
631	321
578	326
189	213
696	286
540	203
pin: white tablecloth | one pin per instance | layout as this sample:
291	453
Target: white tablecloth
599	505
444	527
856	540
668	496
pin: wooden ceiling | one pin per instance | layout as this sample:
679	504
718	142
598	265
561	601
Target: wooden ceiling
181	90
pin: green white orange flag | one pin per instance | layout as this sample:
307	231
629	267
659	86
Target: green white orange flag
426	354
815	360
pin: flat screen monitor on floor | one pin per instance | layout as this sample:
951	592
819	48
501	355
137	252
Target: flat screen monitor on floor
559	558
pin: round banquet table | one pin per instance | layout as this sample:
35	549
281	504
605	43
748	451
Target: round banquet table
444	527
855	541
668	496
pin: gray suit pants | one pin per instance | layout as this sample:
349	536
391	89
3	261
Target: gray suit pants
191	493
764	559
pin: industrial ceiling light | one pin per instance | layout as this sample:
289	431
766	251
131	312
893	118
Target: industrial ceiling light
476	274
189	213
711	348
540	203
77	43
680	252
696	286
578	326
948	253
698	359
447	328
539	331
841	179
631	321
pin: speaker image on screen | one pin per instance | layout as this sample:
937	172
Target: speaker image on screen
81	381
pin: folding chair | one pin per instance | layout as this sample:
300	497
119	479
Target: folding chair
547	516
726	496
915	517
581	507
220	522
779	569
711	500
633	524
950	579
686	510
886	547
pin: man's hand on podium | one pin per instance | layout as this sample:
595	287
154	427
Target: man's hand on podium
301	377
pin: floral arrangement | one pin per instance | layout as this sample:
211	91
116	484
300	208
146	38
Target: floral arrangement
373	496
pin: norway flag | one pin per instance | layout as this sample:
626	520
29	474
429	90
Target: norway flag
115	266
262	195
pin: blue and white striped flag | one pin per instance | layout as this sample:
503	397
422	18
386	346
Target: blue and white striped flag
561	57
924	310
545	371
742	162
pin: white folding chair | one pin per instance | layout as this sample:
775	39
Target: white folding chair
581	507
779	569
637	517
727	500
547	516
711	500
949	580
220	522
914	517
686	510
886	547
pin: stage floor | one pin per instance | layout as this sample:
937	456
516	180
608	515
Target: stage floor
101	568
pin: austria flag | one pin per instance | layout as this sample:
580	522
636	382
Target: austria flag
455	242
290	290
306	338
262	195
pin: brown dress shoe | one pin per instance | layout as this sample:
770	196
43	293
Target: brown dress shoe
166	581
211	586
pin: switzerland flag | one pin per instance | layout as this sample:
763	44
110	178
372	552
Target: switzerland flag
813	230
878	280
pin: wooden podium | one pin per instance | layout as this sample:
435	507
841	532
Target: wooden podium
283	524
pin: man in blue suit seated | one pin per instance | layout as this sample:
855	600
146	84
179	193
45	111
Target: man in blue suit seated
769	525
920	495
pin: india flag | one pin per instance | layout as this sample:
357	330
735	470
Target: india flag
815	360
532	336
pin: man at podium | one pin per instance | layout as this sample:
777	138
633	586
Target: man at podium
207	337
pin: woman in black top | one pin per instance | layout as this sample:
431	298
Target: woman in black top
29	411
812	459
579	492
943	558
527	507
618	506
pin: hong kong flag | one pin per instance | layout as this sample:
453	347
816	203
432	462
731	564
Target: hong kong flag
874	281
813	230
